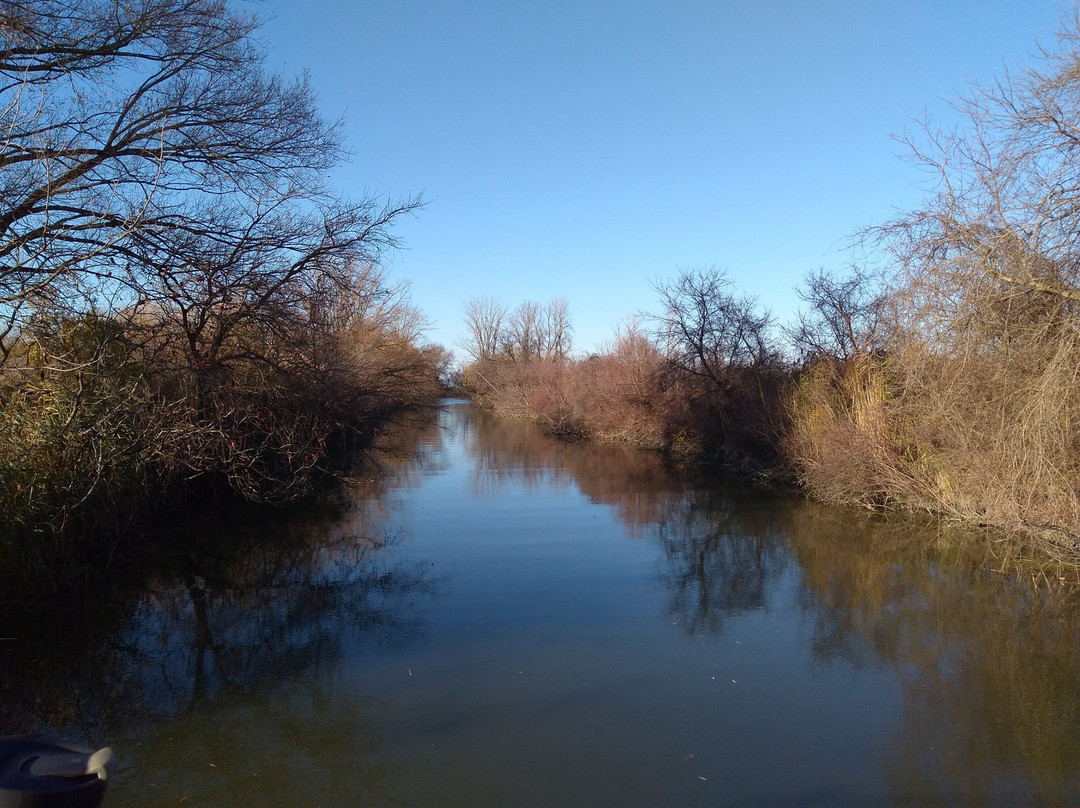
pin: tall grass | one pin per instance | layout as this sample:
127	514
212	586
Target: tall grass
984	437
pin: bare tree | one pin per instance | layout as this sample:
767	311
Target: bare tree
536	331
484	319
256	270
127	126
524	337
558	329
845	314
707	330
1003	217
977	411
171	255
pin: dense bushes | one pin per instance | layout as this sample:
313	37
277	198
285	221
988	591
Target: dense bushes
974	411
182	297
985	435
947	380
980	425
93	441
618	395
646	390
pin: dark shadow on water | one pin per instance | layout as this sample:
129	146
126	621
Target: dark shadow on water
721	556
231	600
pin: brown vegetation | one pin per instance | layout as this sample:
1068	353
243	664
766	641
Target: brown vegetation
947	380
706	382
181	297
975	409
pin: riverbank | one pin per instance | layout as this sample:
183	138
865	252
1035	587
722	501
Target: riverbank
186	303
498	613
87	458
877	433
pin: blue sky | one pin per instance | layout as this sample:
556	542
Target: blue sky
587	149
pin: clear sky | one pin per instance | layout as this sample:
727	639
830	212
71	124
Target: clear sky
585	149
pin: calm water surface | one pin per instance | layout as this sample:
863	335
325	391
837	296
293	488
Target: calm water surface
496	619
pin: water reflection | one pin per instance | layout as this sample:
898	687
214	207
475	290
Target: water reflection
274	614
638	485
505	451
990	667
225	603
889	664
722	558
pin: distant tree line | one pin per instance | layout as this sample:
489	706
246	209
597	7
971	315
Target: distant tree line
183	298
941	374
700	377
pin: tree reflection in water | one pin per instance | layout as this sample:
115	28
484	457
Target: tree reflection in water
986	668
636	484
989	667
721	557
224	603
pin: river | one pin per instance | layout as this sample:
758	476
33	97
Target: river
493	618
